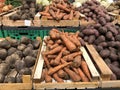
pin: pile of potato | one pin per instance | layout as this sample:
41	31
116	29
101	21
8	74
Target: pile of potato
106	40
17	58
114	7
60	10
27	11
5	8
94	11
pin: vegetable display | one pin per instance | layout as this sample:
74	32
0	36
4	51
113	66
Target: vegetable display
27	11
17	57
5	8
60	10
63	58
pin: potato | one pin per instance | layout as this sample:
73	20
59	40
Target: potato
82	42
34	53
112	29
88	32
2	77
113	50
100	39
19	64
29	61
31	46
27	51
4	68
117	44
99	48
9	80
115	70
116	63
25	40
107	61
111	43
102	21
36	44
91	39
117	38
19	78
19	53
104	53
103	44
113	56
113	77
3	53
25	71
11	50
21	47
109	35
13	42
86	38
103	30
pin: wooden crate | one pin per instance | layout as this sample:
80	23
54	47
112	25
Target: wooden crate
27	79
84	22
105	72
62	23
8	22
67	84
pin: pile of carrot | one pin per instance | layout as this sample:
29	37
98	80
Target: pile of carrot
60	10
63	58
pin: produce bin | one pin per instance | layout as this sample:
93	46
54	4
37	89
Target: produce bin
1	33
66	85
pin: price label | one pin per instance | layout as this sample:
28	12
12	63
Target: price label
27	23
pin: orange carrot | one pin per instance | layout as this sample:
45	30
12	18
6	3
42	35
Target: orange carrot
77	15
72	55
63	7
55	69
66	52
49	17
66	17
75	70
58	12
44	14
82	75
46	9
76	40
54	33
57	78
58	41
52	56
52	13
53	51
46	60
53	8
71	46
85	69
47	77
74	77
60	16
71	15
54	46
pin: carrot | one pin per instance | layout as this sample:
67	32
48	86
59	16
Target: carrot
53	8
85	69
63	7
62	74
60	16
54	33
53	51
72	55
71	46
44	14
58	12
47	77
71	15
46	9
54	46
52	13
63	3
66	52
77	15
77	61
46	60
66	17
51	56
49	17
57	78
50	42
76	40
55	69
58	41
82	75
75	70
74	77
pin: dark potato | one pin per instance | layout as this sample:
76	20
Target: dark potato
4	68
19	64
29	61
3	54
11	50
5	44
25	40
2	77
104	53
25	71
36	44
27	51
21	47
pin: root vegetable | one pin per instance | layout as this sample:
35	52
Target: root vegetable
21	47
5	44
19	64
11	50
68	43
85	69
48	78
27	51
57	78
3	53
2	77
4	68
25	40
62	74
74	77
25	71
42	75
55	69
77	61
29	61
82	75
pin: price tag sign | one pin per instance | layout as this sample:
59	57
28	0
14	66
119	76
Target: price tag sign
27	23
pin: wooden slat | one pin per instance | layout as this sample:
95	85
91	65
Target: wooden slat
26	79
84	22
40	62
104	69
93	70
109	84
69	85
